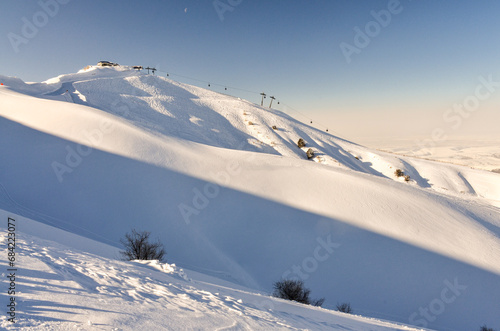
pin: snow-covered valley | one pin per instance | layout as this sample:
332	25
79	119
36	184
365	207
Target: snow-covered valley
238	206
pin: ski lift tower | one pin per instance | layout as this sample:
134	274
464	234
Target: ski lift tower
270	104
262	100
152	70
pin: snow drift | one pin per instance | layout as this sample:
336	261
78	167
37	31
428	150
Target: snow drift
109	149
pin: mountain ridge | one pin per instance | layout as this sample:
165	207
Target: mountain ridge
254	210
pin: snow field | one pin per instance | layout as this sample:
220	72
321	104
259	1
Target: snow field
242	203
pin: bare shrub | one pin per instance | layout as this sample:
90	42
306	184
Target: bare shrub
318	302
344	307
295	290
138	247
399	173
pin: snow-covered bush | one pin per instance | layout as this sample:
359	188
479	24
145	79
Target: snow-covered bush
138	247
295	290
310	153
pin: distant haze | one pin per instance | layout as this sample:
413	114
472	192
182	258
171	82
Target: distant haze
366	69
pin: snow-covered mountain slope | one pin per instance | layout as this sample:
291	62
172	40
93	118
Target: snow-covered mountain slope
478	152
165	107
123	150
60	287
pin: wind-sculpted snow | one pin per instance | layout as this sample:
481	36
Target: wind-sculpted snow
242	203
164	107
60	288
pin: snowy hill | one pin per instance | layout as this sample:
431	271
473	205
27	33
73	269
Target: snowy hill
63	288
109	149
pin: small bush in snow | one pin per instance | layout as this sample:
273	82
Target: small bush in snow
407	178
317	302
301	143
138	247
275	127
399	173
344	307
295	290
310	153
250	123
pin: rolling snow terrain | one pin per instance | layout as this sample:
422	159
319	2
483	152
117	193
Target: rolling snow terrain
63	288
475	152
105	150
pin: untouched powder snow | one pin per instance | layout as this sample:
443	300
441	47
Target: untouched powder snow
60	287
105	150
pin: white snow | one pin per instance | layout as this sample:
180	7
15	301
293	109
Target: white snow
239	201
61	287
479	152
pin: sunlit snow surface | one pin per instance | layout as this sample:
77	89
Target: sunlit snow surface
234	199
63	288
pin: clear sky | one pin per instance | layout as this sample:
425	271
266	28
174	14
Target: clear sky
333	61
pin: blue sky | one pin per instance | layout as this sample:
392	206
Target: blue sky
428	57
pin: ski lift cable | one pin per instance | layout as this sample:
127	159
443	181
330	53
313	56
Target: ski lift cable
254	92
207	82
300	113
311	120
